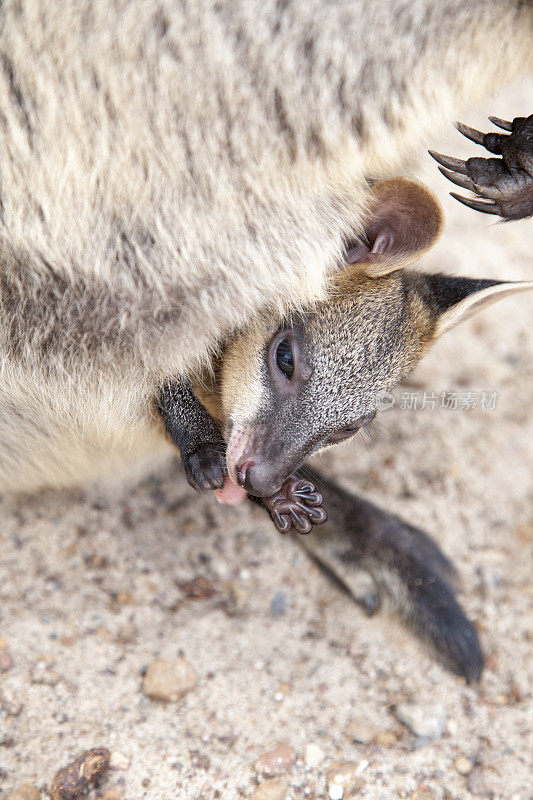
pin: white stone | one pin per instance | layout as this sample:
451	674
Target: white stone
427	721
118	761
314	755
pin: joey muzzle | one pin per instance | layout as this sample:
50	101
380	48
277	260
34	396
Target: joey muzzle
252	466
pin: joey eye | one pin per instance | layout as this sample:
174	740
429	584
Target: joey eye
350	430
285	358
344	433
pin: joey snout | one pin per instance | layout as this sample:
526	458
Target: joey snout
257	462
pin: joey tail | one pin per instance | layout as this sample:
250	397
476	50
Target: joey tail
406	567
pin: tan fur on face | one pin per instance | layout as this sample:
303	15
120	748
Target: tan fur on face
242	375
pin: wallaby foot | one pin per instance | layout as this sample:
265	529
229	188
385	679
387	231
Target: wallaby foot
297	505
405	566
505	184
195	433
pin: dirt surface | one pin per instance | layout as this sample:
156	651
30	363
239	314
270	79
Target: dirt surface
93	591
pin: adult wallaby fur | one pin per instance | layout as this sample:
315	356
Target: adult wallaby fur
168	171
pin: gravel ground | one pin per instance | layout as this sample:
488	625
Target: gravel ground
94	590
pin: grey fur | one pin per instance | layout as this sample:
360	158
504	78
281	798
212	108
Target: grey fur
168	170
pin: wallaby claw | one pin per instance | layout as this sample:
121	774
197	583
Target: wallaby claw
501	123
460	180
449	162
205	467
477	205
507	181
297	505
471	133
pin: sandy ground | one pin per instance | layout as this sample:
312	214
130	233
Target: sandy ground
90	593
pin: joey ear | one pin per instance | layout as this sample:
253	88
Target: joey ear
454	300
405	220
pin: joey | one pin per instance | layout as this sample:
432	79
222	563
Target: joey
282	396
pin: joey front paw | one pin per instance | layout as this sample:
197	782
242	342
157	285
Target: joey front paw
205	467
504	185
297	504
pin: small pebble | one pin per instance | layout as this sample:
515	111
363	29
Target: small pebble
425	721
386	739
424	792
119	761
198	588
361	731
26	791
73	781
235	599
6	660
343	779
278	604
127	633
314	755
112	794
273	789
199	760
10	704
277	761
452	727
169	679
476	783
463	765
43	674
420	741
7	741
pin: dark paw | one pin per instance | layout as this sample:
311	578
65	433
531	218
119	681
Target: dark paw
505	185
296	505
205	467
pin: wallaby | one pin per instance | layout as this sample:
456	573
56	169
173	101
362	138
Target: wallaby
170	171
163	186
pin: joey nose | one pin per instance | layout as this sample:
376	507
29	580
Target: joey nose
260	481
242	473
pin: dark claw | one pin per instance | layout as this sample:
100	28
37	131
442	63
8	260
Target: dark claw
463	182
471	133
508	180
502	123
455	164
478	205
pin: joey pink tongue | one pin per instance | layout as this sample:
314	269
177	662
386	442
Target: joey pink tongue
230	494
